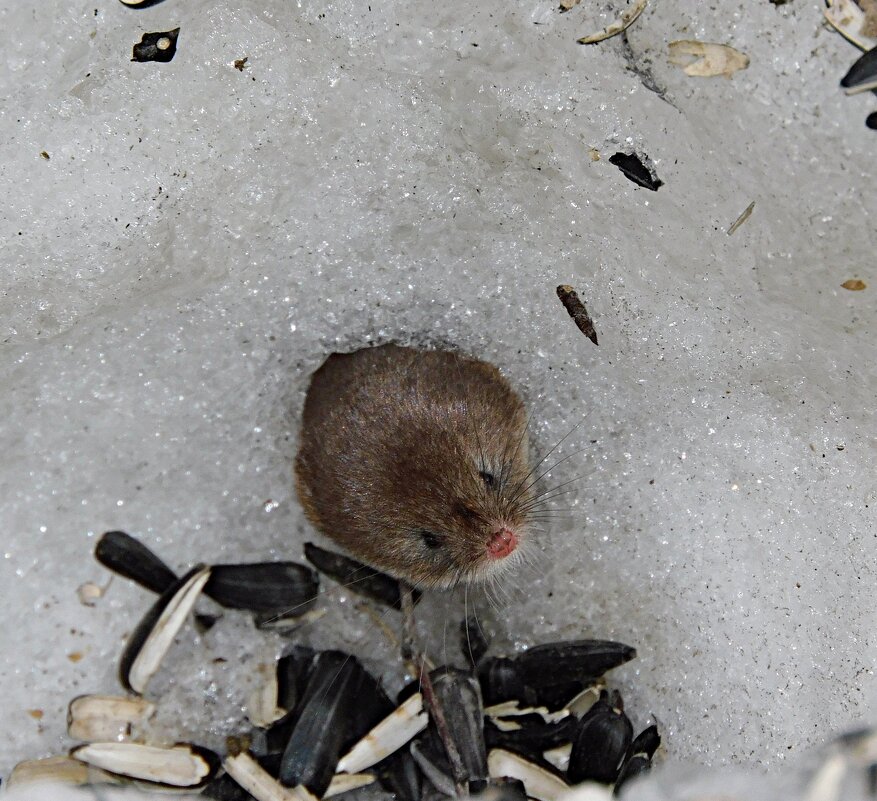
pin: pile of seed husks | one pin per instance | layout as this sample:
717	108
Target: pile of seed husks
528	725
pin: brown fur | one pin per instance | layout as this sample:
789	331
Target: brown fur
394	442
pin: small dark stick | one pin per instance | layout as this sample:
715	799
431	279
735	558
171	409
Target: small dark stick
410	652
573	304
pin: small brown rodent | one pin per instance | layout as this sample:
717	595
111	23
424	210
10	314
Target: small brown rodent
416	462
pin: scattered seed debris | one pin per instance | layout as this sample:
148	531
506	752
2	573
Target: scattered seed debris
45	155
594	154
241	63
635	170
90	593
854	285
566	5
160	46
742	218
621	24
850	21
573	304
36	714
706	59
75	656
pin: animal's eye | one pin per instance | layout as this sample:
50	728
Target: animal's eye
430	538
488	478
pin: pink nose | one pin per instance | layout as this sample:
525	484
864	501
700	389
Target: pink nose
502	543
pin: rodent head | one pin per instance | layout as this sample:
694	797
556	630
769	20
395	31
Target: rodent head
461	492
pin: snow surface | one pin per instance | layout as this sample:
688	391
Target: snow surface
200	237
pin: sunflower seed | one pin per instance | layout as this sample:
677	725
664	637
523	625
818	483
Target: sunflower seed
128	557
356	576
540	783
602	742
178	766
263	587
105	717
154	635
405	722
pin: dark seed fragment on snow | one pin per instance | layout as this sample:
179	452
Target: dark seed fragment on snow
160	46
263	586
573	304
128	557
871	121
635	170
356	576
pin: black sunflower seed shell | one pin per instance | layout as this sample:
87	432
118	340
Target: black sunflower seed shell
356	576
501	681
224	788
473	641
373	705
293	672
263	586
633	767
399	774
459	695
535	735
137	638
157	46
601	744
130	558
646	742
633	168
434	766
864	70
560	663
328	710
550	674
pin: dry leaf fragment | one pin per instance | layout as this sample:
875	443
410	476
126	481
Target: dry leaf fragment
854	285
619	26
706	59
